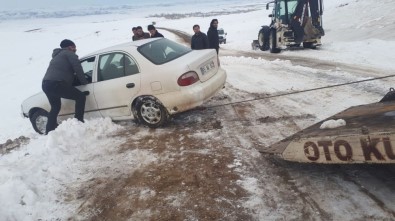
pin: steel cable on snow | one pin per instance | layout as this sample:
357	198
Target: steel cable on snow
302	91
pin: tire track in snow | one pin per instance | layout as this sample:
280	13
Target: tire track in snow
326	76
284	187
369	193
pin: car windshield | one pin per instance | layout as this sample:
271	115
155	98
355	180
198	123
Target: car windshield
220	31
162	50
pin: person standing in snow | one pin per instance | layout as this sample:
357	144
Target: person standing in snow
58	82
153	32
212	34
199	40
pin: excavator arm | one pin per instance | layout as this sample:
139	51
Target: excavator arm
302	10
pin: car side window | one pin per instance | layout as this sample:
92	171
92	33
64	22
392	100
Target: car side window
116	65
87	66
129	65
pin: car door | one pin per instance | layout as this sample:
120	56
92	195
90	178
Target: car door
91	110
118	82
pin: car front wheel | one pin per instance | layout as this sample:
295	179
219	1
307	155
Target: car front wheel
39	121
151	112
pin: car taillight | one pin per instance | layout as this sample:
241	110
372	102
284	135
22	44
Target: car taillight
188	79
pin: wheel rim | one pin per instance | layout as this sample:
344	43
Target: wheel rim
41	123
151	112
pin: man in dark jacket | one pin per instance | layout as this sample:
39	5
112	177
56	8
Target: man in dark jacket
141	34
58	82
212	34
153	32
134	31
199	40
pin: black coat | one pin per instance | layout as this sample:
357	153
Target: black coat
157	35
199	41
213	39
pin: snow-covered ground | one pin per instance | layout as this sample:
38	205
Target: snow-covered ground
35	177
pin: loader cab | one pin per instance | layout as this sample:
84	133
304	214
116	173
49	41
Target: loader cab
283	10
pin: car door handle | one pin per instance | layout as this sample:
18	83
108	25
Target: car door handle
130	85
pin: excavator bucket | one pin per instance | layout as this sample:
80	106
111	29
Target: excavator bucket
368	136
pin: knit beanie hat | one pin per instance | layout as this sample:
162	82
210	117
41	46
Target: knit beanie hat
66	43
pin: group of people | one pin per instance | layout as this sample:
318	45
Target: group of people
139	34
199	40
202	41
65	66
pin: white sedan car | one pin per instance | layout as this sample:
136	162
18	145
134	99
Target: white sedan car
147	80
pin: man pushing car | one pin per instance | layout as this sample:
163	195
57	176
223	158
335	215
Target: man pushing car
58	82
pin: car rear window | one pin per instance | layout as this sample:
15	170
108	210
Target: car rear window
162	50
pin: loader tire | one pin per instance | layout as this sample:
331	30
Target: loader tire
273	42
309	45
264	38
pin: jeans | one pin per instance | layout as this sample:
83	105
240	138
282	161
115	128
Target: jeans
55	90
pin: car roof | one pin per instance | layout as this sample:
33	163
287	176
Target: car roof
122	46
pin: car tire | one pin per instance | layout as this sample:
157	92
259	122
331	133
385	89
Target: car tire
151	112
39	121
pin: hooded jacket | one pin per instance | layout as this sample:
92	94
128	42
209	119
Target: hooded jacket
65	66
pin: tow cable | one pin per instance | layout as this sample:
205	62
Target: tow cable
297	92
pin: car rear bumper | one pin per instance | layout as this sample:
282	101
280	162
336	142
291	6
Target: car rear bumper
193	96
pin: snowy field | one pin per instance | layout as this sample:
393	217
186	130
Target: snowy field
34	178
